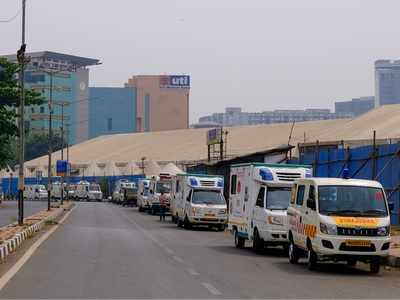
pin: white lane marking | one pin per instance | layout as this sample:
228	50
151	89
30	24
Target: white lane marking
193	272
19	264
169	251
177	258
212	289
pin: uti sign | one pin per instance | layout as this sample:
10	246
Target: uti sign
175	81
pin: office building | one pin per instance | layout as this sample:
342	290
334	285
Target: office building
146	103
355	107
69	76
162	101
387	82
235	116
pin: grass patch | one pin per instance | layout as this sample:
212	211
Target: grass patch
51	222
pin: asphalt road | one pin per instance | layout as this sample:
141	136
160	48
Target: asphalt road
9	210
106	251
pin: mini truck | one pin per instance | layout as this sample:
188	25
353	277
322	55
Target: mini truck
259	198
334	219
199	200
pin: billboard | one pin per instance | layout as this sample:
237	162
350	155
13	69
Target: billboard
61	167
175	81
214	136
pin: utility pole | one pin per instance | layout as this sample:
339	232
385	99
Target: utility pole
49	173
21	140
62	151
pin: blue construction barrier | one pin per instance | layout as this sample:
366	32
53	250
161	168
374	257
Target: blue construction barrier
10	185
383	164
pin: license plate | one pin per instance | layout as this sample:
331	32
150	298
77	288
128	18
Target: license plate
358	243
209	215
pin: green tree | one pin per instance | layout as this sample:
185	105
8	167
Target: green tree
9	100
37	145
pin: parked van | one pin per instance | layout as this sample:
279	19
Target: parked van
159	184
35	192
200	201
124	187
333	219
143	194
258	202
88	191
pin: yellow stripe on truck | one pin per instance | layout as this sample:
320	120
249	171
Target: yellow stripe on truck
356	221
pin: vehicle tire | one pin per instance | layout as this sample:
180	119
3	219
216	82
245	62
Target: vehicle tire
239	241
221	227
179	223
351	262
375	266
286	248
140	209
187	224
172	218
258	243
312	259
293	253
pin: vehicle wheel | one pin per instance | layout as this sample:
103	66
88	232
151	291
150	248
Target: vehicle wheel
186	223
375	266
258	243
293	253
312	259
351	262
286	248
140	209
221	227
179	223
239	241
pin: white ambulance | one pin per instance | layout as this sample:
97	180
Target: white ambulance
334	219
200	201
88	191
143	194
159	184
35	192
258	201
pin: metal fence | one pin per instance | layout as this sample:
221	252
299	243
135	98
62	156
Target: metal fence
381	163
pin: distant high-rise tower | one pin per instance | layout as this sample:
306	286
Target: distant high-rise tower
387	82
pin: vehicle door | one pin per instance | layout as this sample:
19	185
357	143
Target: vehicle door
188	202
310	213
298	233
258	210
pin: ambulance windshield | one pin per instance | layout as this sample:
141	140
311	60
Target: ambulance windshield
207	197
351	201
278	198
164	187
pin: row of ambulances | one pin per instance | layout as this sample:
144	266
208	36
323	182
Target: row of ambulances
320	219
192	199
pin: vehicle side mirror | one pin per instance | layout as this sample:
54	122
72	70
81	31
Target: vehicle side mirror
391	206
311	204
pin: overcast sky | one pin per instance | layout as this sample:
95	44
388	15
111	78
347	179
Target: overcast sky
257	54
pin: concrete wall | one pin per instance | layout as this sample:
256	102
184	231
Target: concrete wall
111	106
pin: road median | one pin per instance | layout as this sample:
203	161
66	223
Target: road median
13	235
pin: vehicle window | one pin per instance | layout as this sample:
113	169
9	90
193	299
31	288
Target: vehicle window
352	201
94	187
177	186
260	197
233	184
311	193
207	197
86	188
164	187
300	195
278	198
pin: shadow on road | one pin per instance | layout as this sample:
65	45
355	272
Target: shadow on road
248	251
323	269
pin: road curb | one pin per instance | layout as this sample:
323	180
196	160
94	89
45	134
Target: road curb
11	245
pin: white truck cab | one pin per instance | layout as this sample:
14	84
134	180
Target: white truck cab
143	194
199	200
258	202
334	219
158	184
